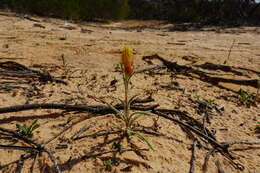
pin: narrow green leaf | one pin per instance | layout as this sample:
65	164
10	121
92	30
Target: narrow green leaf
120	114
31	126
142	138
35	127
139	112
25	130
19	126
132	99
132	120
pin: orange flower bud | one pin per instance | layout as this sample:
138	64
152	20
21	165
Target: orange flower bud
127	60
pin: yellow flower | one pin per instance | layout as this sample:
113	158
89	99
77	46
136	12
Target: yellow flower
127	60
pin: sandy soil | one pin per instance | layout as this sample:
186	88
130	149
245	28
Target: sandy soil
90	60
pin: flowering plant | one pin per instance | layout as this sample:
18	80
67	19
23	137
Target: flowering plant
127	70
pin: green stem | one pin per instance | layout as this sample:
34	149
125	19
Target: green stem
126	106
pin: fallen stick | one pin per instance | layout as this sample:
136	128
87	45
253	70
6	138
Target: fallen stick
20	165
149	68
39	147
203	76
188	119
31	154
240	142
33	163
97	109
13	147
11	68
229	52
74	161
80	131
59	134
26	156
193	157
105	133
225	68
209	139
206	159
220	147
219	167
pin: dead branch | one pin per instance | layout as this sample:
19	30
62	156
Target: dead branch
31	154
10	87
219	167
183	115
31	19
193	157
40	147
82	130
203	76
145	100
198	132
20	165
217	146
26	156
240	142
11	68
229	52
59	134
13	147
253	71
225	68
100	133
33	163
148	131
245	149
89	155
206	159
149	68
98	109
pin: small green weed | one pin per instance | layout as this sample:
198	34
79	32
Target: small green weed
245	97
107	165
198	97
27	130
210	101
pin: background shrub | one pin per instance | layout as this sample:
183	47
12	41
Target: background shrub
72	9
210	12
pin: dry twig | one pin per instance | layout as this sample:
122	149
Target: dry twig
193	157
229	52
39	147
219	167
206	159
100	133
97	109
203	76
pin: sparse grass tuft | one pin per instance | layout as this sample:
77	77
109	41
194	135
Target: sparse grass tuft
245	97
27	130
107	165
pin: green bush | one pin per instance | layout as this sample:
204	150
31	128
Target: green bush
211	12
106	9
73	9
